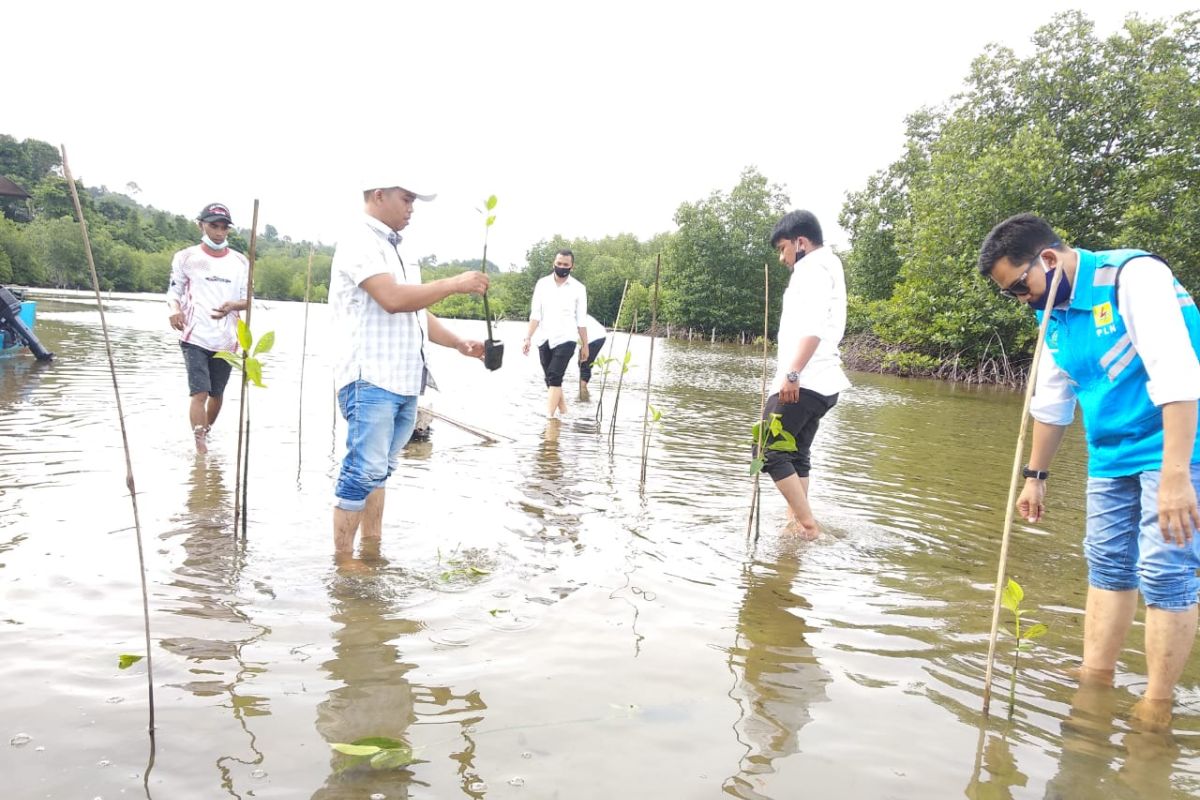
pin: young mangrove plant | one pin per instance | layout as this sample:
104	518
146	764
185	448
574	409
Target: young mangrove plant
1011	599
250	366
654	417
755	493
493	351
650	373
626	363
604	361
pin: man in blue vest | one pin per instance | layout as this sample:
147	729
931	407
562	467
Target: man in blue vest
1122	342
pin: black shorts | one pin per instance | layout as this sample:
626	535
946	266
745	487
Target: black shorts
205	372
555	360
585	367
800	419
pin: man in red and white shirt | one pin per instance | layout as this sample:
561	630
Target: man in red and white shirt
207	290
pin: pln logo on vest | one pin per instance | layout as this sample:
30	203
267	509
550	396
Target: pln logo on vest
1102	315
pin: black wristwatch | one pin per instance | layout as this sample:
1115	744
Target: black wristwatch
1040	474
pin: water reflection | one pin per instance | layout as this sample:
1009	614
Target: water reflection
1102	758
376	698
208	579
778	676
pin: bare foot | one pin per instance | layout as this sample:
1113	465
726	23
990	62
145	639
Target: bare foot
807	531
200	433
1151	716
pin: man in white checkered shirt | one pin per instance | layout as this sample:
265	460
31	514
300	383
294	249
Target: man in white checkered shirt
380	330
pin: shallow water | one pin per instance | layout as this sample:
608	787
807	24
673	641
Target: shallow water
537	625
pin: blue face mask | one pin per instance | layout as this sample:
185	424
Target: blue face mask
213	245
1062	295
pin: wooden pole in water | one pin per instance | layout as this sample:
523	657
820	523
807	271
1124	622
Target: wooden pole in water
612	426
756	494
604	379
487	436
129	482
303	354
1012	496
650	370
239	489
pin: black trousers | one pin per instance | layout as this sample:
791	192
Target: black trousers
800	419
555	360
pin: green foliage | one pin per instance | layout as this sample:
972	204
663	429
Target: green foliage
1096	135
773	437
127	660
248	361
377	752
716	258
1011	598
41	245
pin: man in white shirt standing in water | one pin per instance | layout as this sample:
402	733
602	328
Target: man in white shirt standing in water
207	290
809	375
559	308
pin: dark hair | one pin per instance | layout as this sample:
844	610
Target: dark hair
797	223
1019	239
566	251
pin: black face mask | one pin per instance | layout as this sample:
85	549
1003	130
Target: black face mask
562	272
800	253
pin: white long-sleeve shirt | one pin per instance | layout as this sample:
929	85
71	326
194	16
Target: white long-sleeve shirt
814	304
560	310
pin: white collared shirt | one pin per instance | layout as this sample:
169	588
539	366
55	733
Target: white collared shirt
371	344
814	304
560	310
1148	304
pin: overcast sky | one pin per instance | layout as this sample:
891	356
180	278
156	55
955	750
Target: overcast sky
584	119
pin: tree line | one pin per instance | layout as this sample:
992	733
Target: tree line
1099	136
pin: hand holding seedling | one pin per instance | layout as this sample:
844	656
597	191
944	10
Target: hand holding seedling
471	282
470	348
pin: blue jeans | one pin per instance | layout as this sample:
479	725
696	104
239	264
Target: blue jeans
1125	548
379	424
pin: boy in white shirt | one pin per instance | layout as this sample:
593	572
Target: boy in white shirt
207	290
809	375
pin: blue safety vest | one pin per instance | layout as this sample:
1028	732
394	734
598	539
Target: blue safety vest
1090	342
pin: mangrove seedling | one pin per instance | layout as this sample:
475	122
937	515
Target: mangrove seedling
626	363
248	361
378	752
783	441
493	351
1011	599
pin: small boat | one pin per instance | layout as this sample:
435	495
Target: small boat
17	318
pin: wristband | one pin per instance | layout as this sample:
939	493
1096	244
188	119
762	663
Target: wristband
1040	474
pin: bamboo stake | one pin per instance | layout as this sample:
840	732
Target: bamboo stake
1012	495
239	491
604	378
756	493
612	426
129	482
487	436
650	371
303	353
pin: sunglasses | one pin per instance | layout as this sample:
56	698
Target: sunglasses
1019	287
